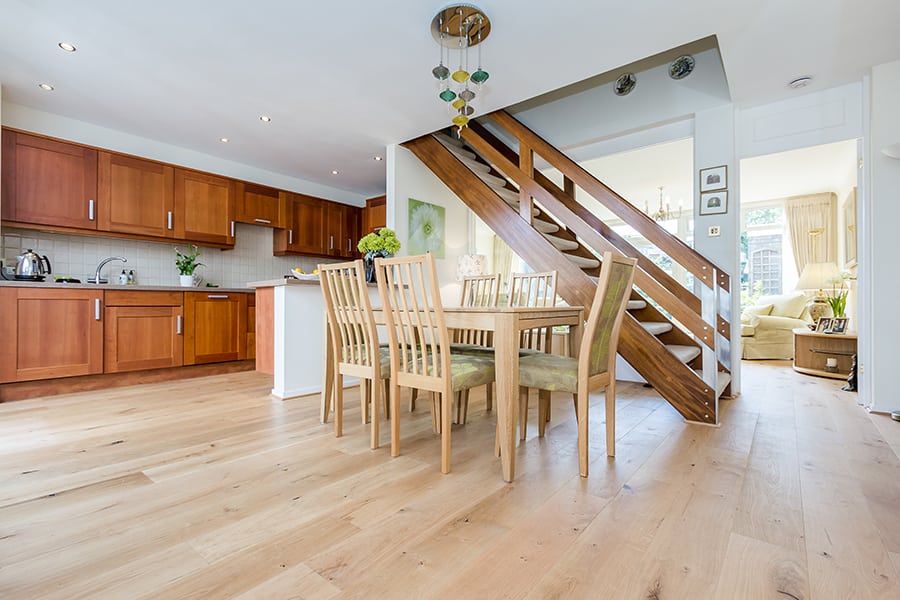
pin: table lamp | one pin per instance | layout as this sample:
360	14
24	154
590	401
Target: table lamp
470	265
814	277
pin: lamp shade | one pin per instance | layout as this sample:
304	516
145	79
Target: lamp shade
815	276
470	265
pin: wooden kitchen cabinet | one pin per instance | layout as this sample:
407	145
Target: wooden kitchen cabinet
260	205
215	327
48	182
306	228
135	195
374	215
204	207
48	333
143	330
341	230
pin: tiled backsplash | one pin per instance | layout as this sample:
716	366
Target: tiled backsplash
154	262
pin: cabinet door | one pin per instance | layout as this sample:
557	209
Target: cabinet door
260	205
352	219
307	225
374	215
204	206
215	327
48	333
135	196
142	337
48	182
342	225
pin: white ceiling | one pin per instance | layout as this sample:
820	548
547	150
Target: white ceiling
343	79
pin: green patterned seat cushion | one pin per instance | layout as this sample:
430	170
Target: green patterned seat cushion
469	371
549	372
473	349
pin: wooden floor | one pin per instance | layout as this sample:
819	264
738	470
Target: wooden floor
210	488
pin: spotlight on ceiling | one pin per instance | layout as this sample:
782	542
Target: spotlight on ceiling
800	82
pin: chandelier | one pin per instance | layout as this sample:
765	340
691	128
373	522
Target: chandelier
664	212
460	27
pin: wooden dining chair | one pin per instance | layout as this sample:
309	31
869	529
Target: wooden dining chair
595	365
535	290
354	342
419	343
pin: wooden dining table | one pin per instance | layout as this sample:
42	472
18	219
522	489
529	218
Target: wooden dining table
506	323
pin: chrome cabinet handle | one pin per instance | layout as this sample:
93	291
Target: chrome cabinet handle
331	243
96	309
217	296
178	325
290	236
91	209
266	221
169	220
232	229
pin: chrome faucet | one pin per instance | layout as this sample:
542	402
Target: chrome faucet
96	278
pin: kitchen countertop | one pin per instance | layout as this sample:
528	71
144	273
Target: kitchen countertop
283	282
123	288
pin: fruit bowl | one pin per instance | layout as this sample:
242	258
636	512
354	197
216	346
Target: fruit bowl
306	276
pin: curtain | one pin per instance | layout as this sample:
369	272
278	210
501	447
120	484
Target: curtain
502	259
813	229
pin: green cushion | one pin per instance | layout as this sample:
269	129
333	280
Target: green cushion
473	349
468	371
549	372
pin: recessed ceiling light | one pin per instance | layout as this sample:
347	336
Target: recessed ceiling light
379	158
46	87
265	119
67	46
223	140
800	82
335	172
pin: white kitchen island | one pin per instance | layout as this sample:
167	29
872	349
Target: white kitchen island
290	329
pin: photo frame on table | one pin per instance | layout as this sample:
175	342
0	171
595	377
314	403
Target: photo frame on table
714	178
838	325
714	203
823	325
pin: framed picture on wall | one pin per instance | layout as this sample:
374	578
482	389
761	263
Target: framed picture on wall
714	178
714	203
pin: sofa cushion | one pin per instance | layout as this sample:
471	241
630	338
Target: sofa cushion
786	305
757	310
748	330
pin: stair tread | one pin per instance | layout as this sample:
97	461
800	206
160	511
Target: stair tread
455	148
636	304
722	380
684	353
583	262
562	244
491	180
545	226
656	327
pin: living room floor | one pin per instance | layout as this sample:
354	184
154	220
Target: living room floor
211	488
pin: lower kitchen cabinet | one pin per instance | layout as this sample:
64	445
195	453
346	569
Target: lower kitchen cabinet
144	330
48	333
215	327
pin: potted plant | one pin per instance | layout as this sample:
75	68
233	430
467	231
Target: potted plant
837	297
383	242
187	264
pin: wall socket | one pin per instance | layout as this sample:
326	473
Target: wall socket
715	231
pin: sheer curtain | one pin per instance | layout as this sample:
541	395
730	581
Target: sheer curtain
502	257
812	225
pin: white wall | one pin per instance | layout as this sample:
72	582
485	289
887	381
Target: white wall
878	249
408	178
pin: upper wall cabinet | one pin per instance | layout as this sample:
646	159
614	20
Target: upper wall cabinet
47	182
374	214
204	207
135	195
260	205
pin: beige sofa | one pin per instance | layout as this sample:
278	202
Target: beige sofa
766	327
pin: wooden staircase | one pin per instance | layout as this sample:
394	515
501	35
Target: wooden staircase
676	340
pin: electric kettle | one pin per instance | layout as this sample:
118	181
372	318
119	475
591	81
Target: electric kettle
31	266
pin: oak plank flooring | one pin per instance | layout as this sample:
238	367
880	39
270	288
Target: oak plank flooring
211	488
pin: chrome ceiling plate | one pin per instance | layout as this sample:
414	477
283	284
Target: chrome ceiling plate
460	26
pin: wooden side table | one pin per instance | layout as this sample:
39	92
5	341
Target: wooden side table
812	351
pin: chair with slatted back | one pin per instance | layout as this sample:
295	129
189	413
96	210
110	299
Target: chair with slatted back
538	290
476	290
355	349
595	365
419	343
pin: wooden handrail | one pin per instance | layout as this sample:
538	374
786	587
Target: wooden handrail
680	252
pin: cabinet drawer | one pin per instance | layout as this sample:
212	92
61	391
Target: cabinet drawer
140	298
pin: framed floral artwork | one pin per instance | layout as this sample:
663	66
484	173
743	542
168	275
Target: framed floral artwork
426	228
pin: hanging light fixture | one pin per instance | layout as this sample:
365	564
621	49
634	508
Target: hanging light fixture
460	27
664	212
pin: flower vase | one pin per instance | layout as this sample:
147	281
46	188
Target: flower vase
369	262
